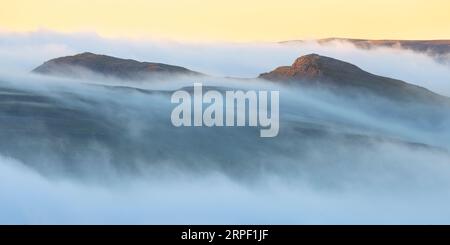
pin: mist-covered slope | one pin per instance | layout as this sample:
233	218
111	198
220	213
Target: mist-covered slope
95	150
79	129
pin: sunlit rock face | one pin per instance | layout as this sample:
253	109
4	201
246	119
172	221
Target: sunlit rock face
316	70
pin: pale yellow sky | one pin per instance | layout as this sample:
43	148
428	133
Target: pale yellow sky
233	20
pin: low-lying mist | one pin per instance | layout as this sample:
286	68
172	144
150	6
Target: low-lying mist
102	151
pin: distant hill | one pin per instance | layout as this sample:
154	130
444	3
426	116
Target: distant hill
439	49
432	46
308	70
316	70
110	66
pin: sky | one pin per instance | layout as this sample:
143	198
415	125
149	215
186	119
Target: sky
232	20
